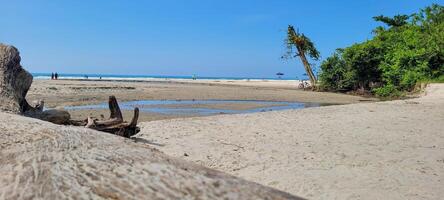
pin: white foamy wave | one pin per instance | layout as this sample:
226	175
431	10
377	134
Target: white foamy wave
42	77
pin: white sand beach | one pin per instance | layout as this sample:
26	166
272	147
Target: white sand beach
383	150
229	100
378	150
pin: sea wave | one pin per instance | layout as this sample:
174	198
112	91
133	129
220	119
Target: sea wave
44	76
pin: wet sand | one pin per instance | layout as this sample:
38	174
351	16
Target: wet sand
223	106
127	115
60	93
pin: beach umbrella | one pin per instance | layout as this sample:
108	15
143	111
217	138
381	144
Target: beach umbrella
279	74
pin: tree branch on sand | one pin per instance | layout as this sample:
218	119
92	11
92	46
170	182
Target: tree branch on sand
115	124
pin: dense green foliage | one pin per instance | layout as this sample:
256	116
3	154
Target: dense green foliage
409	49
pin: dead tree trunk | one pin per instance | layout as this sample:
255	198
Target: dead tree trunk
115	124
14	85
14	81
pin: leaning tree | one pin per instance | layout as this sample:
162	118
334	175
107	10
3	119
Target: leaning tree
299	45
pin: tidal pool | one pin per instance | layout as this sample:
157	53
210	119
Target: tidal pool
202	107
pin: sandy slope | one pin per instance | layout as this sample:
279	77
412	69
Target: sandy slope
385	150
39	160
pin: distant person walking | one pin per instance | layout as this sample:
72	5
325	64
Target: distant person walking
56	76
52	76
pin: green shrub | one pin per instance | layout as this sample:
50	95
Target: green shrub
408	50
387	91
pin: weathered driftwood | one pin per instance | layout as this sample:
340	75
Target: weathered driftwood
14	81
14	85
115	124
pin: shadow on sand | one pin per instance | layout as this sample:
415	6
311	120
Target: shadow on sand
145	141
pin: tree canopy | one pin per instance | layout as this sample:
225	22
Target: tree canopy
410	49
396	21
295	39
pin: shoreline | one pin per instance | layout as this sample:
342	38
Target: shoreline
273	83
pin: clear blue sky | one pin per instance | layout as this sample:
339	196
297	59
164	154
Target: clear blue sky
183	37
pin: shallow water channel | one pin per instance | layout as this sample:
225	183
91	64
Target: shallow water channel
202	107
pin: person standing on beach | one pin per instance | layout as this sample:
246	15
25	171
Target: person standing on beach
56	76
52	75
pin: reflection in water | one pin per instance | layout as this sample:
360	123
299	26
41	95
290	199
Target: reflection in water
187	107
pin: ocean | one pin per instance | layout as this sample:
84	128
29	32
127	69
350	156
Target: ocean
144	77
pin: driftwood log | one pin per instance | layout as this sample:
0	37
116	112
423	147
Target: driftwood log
15	83
115	124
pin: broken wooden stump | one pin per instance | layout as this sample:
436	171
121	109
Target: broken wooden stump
115	124
14	85
14	81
